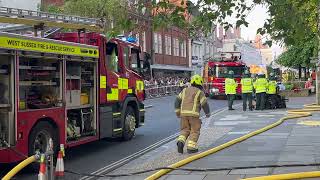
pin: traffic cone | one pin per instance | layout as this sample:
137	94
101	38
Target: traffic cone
60	165
42	171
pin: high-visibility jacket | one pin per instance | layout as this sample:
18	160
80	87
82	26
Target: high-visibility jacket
246	85
230	86
261	85
189	102
272	87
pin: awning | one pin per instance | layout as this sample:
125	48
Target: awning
171	67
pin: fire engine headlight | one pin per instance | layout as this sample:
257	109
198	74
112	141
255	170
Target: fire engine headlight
214	90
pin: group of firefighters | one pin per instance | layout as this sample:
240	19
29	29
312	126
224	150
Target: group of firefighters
192	99
262	87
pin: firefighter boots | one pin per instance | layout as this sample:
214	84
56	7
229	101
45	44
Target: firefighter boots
180	143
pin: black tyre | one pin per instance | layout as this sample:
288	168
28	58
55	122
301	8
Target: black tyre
39	140
129	124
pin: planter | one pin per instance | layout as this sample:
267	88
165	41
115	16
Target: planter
295	93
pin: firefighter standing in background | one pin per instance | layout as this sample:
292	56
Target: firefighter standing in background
260	86
246	89
272	91
187	106
230	89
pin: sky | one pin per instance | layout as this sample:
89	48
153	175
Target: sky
256	20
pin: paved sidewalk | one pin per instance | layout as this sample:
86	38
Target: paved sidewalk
290	143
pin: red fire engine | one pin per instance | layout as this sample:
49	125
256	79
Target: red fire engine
216	70
74	88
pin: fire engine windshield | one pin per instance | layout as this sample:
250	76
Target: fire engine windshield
222	71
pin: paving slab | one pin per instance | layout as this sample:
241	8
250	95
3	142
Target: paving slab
223	177
284	170
261	171
286	144
186	177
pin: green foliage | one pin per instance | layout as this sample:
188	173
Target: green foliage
112	12
299	54
289	86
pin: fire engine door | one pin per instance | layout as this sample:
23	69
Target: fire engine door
124	79
113	67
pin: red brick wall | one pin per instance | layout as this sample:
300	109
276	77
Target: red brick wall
165	59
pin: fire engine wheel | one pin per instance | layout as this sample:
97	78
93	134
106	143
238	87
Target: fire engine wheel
39	140
129	124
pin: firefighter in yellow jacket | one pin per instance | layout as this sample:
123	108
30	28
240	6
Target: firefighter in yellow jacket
187	106
272	91
230	86
261	87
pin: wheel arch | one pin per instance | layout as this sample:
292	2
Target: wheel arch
51	122
131	101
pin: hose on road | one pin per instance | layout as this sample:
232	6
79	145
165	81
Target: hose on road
19	167
190	169
292	114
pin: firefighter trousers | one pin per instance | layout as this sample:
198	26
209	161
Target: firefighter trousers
247	97
230	98
190	127
261	101
273	101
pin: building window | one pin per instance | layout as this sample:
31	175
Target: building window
185	48
168	45
175	47
157	43
144	42
183	52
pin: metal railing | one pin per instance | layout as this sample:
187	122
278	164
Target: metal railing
161	91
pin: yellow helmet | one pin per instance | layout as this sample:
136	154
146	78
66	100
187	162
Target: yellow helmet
196	79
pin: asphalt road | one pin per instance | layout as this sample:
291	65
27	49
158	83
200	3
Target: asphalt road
161	122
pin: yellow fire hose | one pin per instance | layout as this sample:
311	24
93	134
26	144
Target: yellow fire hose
292	114
19	167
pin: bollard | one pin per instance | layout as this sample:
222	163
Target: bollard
51	159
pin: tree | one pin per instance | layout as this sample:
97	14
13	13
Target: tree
298	55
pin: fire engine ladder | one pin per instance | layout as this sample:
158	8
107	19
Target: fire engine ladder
39	20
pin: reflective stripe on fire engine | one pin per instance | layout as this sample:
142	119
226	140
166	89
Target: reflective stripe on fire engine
118	129
114	95
139	85
47	47
116	114
103	82
123	83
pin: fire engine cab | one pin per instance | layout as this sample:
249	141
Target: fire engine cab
73	88
216	71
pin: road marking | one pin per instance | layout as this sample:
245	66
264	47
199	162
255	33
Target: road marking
123	161
239	132
129	158
148	106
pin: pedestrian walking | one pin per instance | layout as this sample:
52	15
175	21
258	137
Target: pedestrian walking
230	89
260	86
187	106
246	90
272	91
